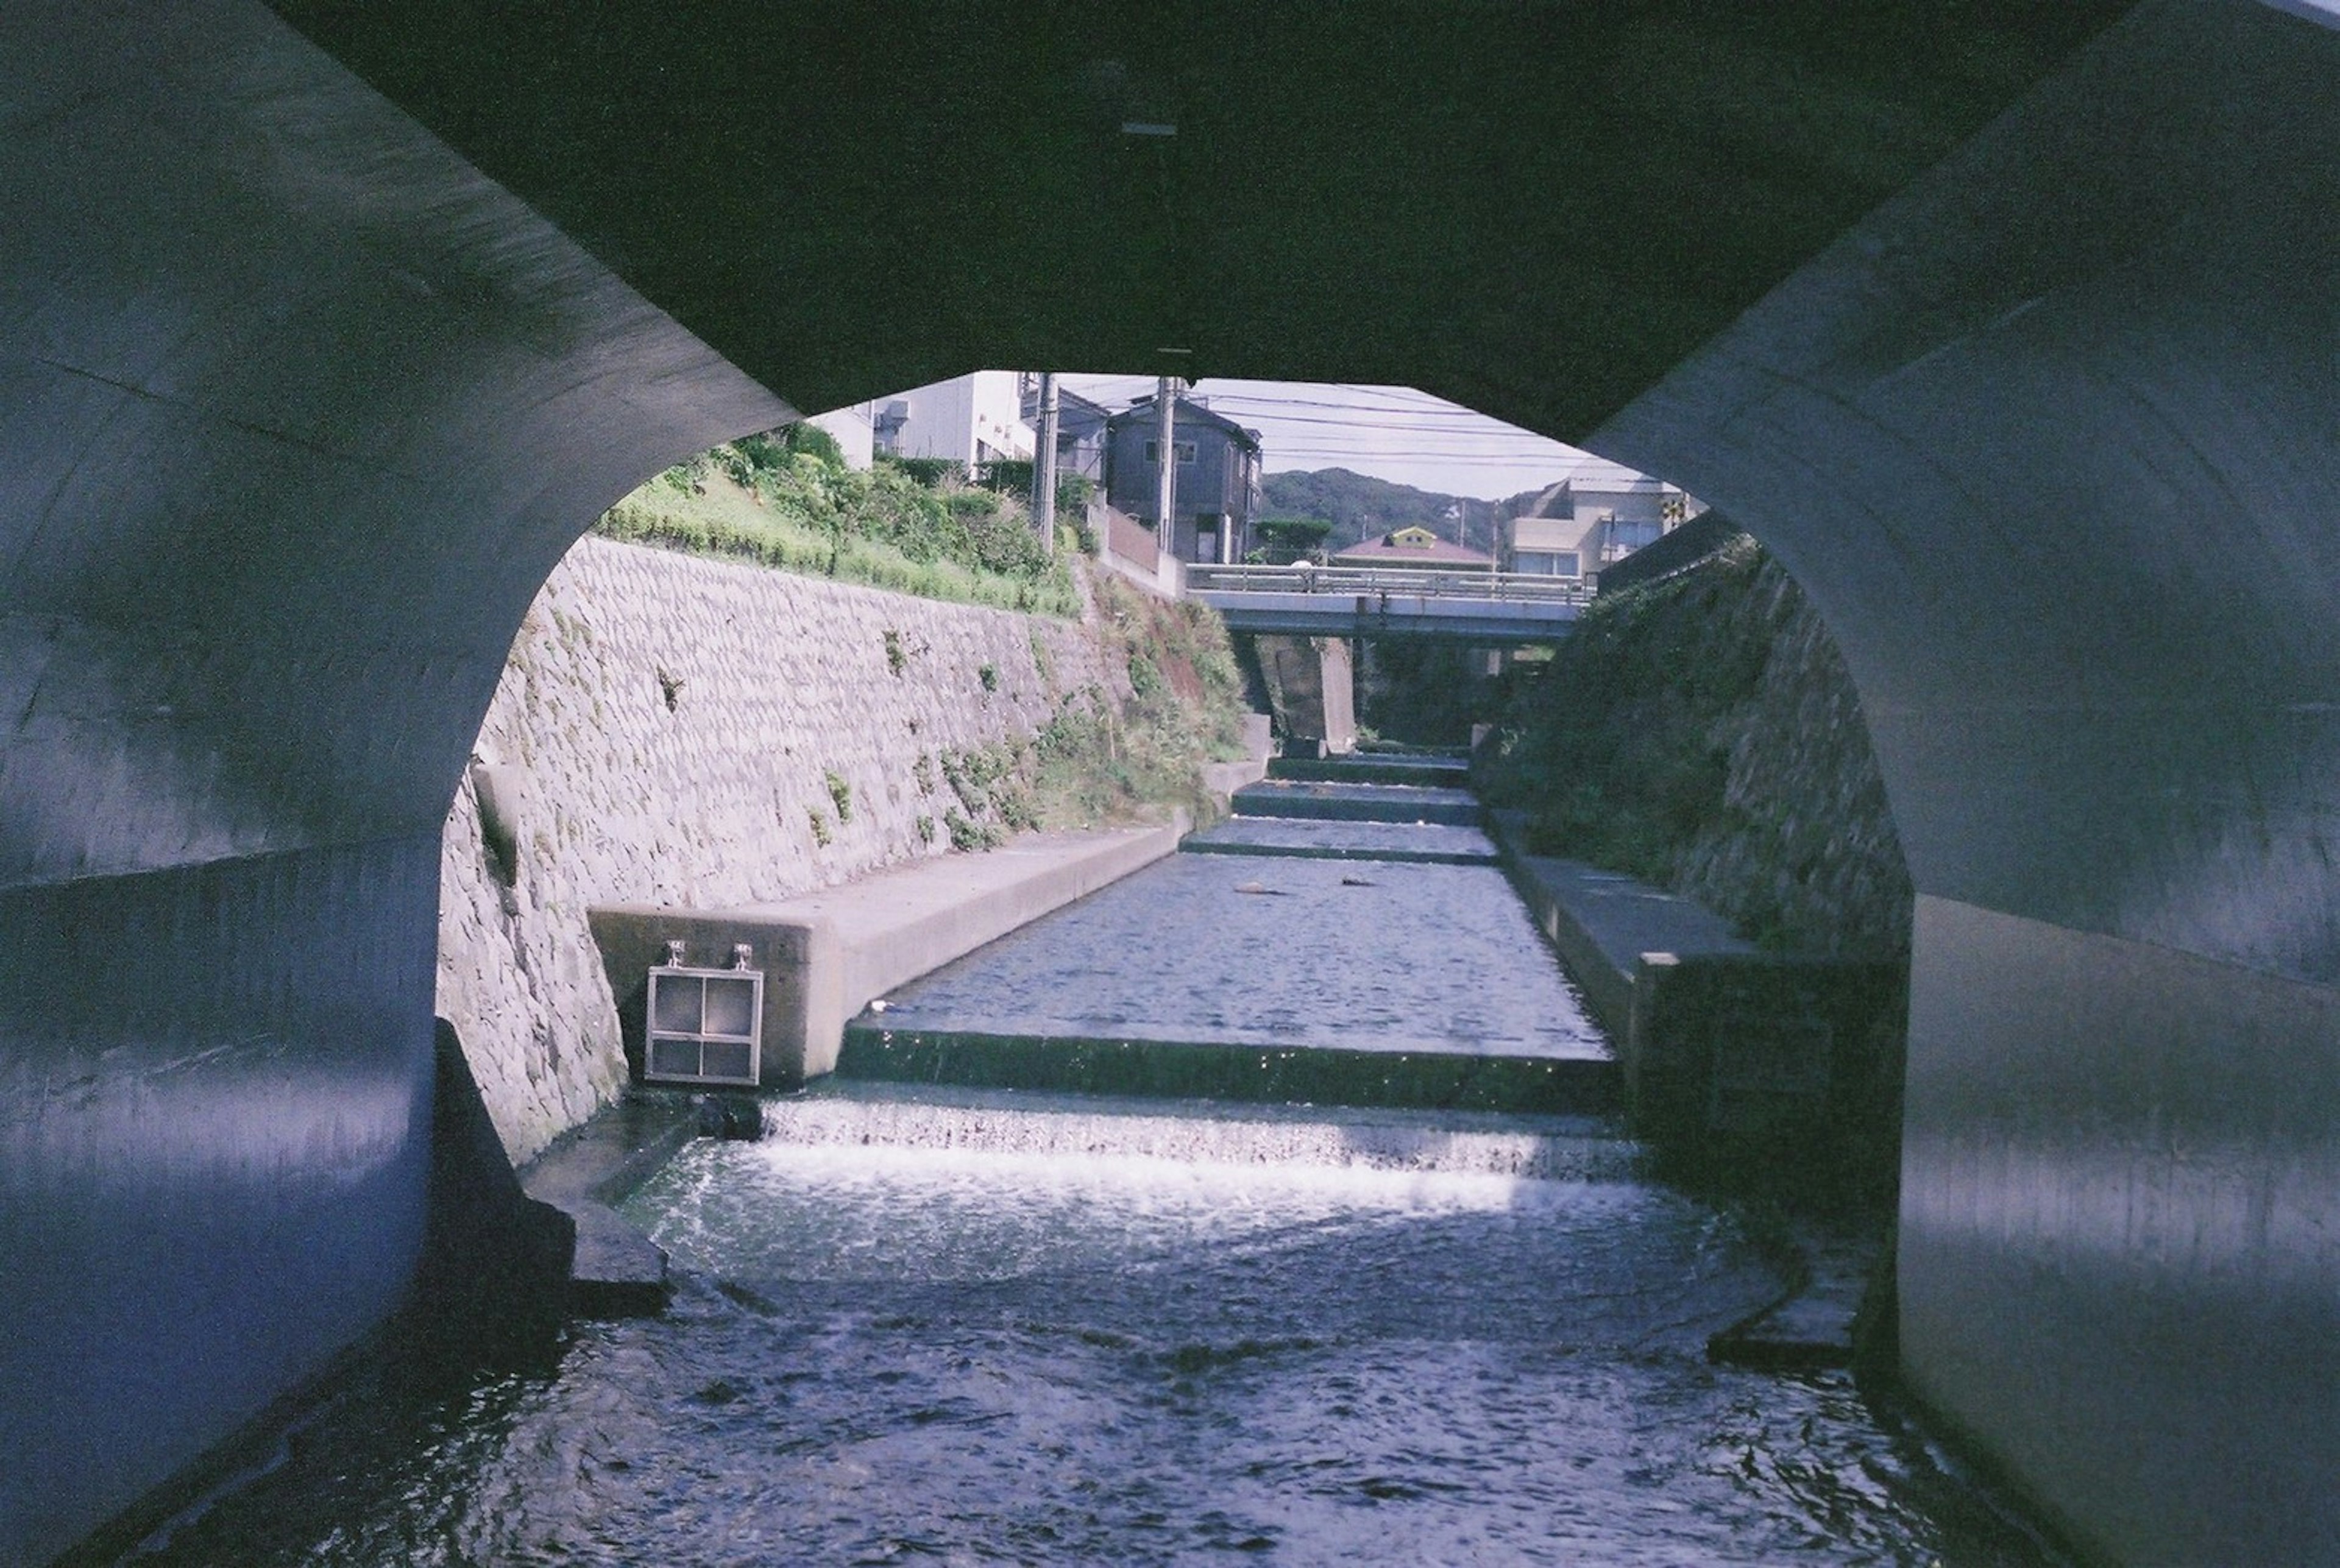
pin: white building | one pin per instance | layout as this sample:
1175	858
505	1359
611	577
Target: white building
1600	513
972	420
854	428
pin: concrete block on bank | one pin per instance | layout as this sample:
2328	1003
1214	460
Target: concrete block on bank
1751	1045
800	958
1222	780
1601	922
826	955
1714	1037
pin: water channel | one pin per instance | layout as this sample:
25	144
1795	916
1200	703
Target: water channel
959	1324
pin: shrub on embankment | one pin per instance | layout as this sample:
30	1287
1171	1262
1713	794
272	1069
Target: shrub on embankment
788	500
1702	732
1098	762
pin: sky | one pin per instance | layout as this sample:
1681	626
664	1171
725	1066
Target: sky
1391	432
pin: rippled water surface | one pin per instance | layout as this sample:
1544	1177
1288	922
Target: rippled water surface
1398	958
1031	1352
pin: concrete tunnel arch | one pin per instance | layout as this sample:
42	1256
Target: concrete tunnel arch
300	407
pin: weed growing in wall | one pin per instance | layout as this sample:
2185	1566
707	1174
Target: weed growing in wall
841	793
967	834
1099	761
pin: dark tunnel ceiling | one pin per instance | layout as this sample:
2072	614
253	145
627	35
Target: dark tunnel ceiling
1536	208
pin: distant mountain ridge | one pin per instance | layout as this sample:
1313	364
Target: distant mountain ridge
1360	506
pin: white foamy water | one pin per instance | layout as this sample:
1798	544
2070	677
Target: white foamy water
1023	1199
1287	1136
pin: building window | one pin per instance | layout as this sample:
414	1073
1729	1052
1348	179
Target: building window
1185	451
1547	562
1633	535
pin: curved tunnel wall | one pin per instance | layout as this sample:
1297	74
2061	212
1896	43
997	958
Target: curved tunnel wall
2053	442
296	412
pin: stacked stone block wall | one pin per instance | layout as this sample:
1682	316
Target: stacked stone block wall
675	730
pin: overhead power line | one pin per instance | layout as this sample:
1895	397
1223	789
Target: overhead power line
1366	428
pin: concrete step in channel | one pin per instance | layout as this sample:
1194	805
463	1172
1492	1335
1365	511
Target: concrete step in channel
1344	802
1332	840
1438	772
1243	1074
618	1272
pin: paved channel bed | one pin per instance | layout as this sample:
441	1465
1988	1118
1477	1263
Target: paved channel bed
1430	843
1360	956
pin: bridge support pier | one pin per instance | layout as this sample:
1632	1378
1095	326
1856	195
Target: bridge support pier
2106	322
1313	683
299	411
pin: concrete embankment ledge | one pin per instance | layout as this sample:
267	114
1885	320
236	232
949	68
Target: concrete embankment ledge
1719	1040
617	1270
1715	1037
1819	1321
827	954
1601	922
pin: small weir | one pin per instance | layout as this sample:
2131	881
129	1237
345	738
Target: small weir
1540	1148
1436	1313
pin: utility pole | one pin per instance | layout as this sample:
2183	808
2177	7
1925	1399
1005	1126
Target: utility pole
1165	476
1044	470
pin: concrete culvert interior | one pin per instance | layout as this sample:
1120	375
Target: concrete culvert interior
325	329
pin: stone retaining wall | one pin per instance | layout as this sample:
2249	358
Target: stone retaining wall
1703	734
667	732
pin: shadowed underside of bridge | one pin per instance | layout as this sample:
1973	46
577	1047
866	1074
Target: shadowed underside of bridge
2010	327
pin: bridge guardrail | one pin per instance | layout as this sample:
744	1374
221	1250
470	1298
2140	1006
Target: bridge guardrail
1353	581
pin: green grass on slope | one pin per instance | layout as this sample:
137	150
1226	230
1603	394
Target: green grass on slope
798	512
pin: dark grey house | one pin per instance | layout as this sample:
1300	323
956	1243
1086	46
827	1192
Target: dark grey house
1080	430
1218	494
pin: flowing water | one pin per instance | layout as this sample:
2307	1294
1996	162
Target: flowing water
964	1327
971	1329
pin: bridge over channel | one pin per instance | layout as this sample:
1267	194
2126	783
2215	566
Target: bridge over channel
326	328
1484	610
